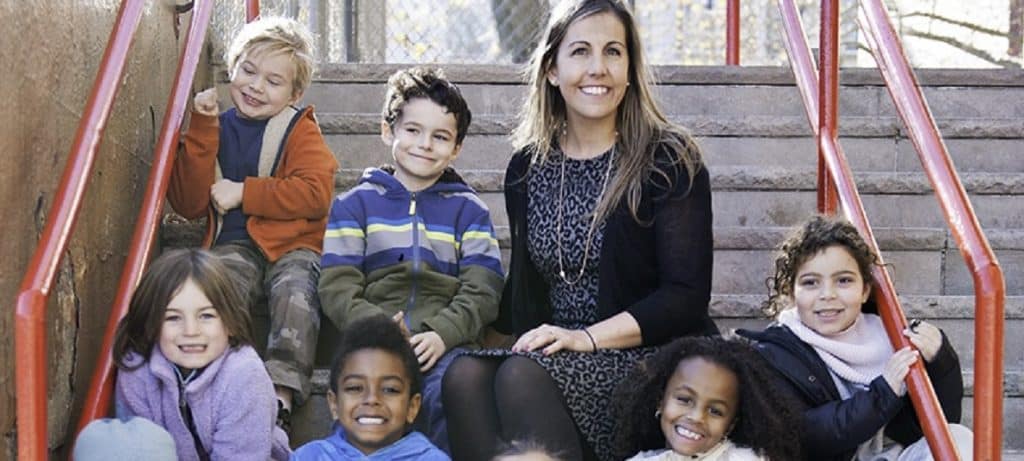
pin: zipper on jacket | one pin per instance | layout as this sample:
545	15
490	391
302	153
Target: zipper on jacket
186	416
415	260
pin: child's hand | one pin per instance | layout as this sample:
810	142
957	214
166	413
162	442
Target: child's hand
399	318
226	195
428	347
206	102
926	337
896	369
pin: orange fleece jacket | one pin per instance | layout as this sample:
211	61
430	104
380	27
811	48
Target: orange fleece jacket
286	211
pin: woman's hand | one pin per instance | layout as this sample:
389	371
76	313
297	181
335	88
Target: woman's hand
926	337
551	339
896	369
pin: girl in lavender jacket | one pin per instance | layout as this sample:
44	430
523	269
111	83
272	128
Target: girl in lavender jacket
186	362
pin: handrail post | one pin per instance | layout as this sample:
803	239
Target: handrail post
732	33
102	383
30	378
828	99
30	316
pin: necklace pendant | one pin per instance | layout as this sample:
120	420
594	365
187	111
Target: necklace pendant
561	273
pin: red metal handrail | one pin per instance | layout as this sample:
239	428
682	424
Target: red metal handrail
828	99
922	394
97	400
732	33
30	310
989	284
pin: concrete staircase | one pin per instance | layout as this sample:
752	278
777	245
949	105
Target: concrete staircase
756	139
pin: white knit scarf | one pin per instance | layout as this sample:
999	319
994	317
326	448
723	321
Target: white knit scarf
856	355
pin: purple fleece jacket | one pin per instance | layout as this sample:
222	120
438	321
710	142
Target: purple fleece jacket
232	401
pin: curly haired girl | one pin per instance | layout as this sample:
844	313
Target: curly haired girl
836	358
712	399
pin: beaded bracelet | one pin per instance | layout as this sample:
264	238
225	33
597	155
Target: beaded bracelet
592	342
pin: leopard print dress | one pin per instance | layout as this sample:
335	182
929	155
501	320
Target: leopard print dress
587	380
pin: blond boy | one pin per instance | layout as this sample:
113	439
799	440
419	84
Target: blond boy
263	176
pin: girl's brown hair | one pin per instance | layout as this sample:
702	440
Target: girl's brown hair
139	330
643	128
812	237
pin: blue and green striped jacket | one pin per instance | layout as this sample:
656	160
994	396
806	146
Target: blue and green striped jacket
430	254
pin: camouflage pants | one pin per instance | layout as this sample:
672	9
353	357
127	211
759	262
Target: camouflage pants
289	287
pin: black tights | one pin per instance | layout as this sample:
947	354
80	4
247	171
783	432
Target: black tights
489	401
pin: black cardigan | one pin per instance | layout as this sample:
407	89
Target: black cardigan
659	271
833	428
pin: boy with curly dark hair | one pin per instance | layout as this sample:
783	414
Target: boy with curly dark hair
375	394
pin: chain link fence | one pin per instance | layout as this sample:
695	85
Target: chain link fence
937	33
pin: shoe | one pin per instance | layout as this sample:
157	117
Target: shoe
284	418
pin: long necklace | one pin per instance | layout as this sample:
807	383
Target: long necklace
593	219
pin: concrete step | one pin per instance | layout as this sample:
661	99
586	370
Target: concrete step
878	154
922	261
789	207
785	198
864	154
713	100
708	90
750	178
744	125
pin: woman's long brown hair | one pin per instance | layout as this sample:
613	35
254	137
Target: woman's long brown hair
643	127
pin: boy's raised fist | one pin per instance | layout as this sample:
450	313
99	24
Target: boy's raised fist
206	102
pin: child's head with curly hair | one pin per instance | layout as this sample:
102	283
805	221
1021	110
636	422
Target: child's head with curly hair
812	238
375	385
696	393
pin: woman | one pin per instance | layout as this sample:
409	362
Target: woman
610	210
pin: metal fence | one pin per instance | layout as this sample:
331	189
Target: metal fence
938	33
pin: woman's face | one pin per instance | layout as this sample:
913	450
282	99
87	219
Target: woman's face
591	68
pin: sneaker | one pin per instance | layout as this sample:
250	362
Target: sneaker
284	418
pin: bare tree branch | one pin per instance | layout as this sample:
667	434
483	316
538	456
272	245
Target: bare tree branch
974	51
965	25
